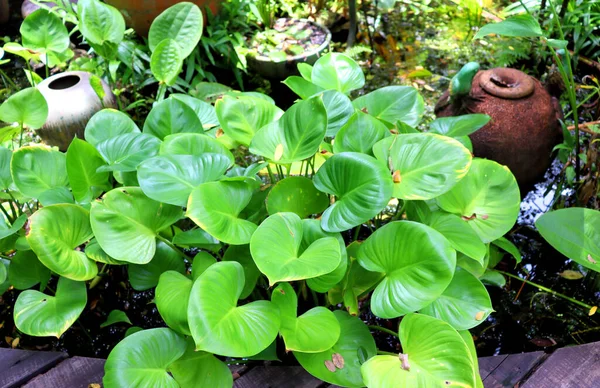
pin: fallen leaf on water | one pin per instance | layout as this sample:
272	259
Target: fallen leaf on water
543	342
330	366
593	310
338	360
571	275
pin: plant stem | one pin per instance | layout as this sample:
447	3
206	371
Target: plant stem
383	329
8	218
21	136
357	231
162	90
7	78
47	69
271	176
591	309
172	246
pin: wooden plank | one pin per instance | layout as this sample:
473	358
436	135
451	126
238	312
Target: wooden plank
76	372
572	367
488	364
19	366
512	369
238	370
276	377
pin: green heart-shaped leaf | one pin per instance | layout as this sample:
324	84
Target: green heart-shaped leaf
303	88
26	271
339	109
314	331
339	72
206	112
171	296
171	178
5	177
311	232
142	359
242	116
461	236
359	134
241	254
166	62
354	346
43	31
574	232
464	304
125	152
82	162
200	369
487	199
391	104
146	276
172	116
38	169
197	238
296	194
95	252
101	25
218	325
42	315
55	233
127	222
215	207
424	165
182	23
458	126
193	144
275	248
363	186
27	107
297	135
436	356
468	339
106	124
421	253
114	317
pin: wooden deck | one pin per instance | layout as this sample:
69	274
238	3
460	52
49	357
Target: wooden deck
572	367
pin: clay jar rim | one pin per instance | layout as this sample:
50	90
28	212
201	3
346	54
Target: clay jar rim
506	83
66	81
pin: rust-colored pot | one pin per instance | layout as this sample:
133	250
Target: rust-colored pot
524	127
139	14
71	104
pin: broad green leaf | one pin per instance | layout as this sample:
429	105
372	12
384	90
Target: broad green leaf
297	195
114	317
464	304
458	126
418	267
275	248
206	112
305	71
241	254
424	166
26	107
241	117
5	176
215	207
202	261
218	325
3	273
94	251
311	232
363	186
297	135
493	278
487	198
200	369
172	116
339	72
509	247
193	144
171	296
132	330
55	233
462	237
36	169
171	178
25	271
197	238
468	339
339	109
519	25
315	331
436	356
125	152
142	360
166	62
42	315
359	134
108	123
145	276
355	342
181	23
127	222
16	226
303	88
82	162
101	25
43	31
56	196
574	232
391	104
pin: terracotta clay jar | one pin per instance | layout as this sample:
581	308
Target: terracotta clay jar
524	125
139	14
71	103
